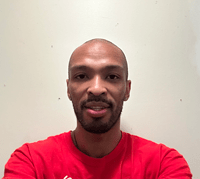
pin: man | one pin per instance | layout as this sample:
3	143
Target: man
97	86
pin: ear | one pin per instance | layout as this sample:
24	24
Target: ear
68	93
128	89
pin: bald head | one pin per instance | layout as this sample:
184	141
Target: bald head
99	48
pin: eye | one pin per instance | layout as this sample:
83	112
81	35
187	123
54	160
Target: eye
81	76
113	77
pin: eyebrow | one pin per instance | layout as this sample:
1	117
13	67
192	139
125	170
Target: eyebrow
108	67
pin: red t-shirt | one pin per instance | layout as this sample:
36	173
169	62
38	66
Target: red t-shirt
133	158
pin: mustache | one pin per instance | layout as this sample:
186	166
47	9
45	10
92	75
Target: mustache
96	99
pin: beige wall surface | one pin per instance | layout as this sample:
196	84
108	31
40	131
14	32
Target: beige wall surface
161	39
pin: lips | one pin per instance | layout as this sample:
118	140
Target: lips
97	109
97	105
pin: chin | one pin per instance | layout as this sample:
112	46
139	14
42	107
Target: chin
98	126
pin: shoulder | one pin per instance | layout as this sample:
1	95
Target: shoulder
36	156
164	160
142	144
149	148
49	143
42	149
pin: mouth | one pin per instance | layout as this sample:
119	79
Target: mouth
97	106
97	109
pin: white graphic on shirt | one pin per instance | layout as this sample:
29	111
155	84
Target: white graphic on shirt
66	177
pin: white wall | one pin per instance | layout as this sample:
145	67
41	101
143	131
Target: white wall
160	39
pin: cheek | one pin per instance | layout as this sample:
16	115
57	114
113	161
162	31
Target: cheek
119	93
76	93
121	88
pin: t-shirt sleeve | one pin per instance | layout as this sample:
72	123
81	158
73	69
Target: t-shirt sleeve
20	165
173	165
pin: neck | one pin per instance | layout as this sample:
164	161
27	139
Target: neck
96	145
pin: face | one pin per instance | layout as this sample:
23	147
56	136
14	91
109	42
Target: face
97	86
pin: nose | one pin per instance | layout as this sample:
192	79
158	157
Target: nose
97	87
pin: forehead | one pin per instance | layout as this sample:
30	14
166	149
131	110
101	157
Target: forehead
96	55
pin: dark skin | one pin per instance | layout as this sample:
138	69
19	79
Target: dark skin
97	69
